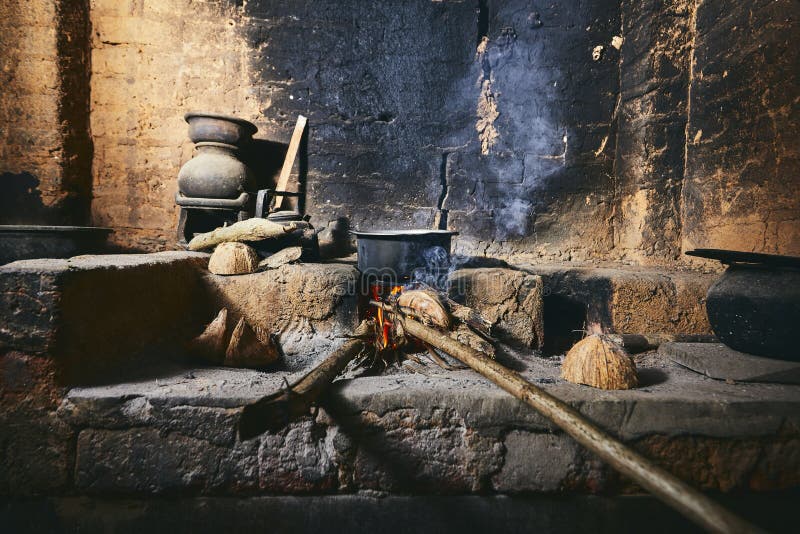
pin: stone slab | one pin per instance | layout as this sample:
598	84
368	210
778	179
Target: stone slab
308	306
697	404
450	433
510	299
92	313
366	513
715	360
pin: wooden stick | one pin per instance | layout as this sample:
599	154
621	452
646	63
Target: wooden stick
288	163
471	318
275	411
438	360
674	492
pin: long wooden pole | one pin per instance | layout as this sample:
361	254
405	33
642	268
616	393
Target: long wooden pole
673	491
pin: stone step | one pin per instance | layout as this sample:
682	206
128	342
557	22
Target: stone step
365	513
447	433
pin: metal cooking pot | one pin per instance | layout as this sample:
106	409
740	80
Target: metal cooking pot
754	307
396	254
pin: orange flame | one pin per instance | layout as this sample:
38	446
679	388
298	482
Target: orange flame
384	323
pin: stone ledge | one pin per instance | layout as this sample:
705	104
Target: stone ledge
620	299
96	313
310	306
95	303
447	433
369	514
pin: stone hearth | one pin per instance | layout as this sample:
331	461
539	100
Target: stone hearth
119	411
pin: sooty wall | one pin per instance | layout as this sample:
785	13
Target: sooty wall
495	112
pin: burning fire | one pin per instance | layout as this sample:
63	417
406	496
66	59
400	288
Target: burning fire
383	323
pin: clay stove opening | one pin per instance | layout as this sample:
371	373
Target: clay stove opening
564	323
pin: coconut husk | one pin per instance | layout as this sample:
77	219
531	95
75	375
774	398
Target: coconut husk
233	258
599	362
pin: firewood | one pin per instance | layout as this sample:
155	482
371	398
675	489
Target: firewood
438	360
464	334
599	362
210	345
245	349
233	258
282	257
275	411
662	484
427	306
470	317
254	229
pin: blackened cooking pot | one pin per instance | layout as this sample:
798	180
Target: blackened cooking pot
754	307
396	254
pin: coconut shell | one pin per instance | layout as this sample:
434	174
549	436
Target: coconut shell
233	258
428	305
210	345
245	349
599	362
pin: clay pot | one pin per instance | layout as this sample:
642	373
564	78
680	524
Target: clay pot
215	172
754	307
209	127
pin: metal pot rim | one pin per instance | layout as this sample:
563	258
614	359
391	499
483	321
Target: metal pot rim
401	234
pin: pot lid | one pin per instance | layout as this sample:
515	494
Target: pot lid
736	256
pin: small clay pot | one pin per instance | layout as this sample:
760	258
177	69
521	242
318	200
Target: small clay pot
754	307
212	128
215	172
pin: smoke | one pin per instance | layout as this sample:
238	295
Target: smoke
524	152
438	266
513	218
